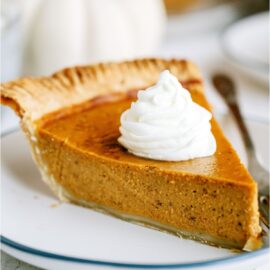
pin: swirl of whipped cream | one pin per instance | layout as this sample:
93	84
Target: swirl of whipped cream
165	124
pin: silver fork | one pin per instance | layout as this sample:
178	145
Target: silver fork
226	88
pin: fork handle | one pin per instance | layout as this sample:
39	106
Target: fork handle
244	131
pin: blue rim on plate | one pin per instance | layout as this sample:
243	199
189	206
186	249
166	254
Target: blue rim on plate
41	253
48	255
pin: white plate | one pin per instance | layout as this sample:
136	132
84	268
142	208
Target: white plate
246	43
36	228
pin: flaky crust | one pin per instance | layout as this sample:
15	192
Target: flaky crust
35	97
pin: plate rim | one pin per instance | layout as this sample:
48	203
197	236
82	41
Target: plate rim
56	256
49	255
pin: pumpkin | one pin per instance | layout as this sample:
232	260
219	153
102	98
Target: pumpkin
62	33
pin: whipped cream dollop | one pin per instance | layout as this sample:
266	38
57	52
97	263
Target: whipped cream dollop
165	124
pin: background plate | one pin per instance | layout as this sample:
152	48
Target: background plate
246	43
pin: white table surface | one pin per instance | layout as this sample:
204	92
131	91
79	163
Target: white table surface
205	50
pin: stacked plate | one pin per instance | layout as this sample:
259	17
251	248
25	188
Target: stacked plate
246	44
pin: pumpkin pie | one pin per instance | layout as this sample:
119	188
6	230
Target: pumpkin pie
72	119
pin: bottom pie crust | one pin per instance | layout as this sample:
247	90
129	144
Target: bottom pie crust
252	244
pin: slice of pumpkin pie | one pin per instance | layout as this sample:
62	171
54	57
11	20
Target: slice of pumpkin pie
154	157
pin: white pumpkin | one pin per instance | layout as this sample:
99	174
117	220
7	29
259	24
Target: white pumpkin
63	33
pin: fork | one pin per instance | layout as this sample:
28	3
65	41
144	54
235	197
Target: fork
226	89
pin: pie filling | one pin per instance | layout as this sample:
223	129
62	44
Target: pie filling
202	199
